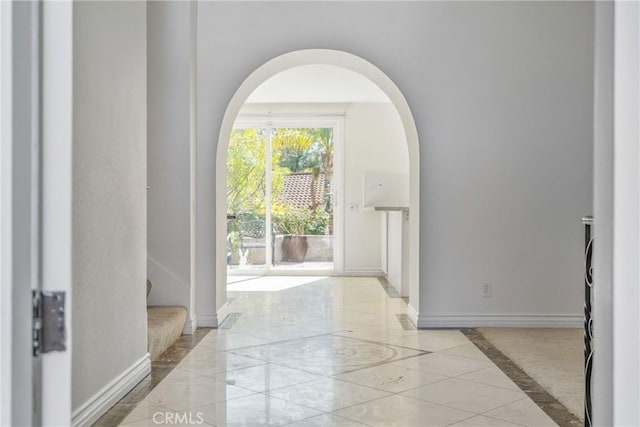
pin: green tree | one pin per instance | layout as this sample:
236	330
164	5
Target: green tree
295	148
324	142
246	171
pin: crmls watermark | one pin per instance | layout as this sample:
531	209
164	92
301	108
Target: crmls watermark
181	418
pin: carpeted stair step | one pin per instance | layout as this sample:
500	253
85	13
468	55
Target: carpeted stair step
164	327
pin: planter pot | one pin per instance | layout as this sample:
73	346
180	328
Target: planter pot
294	248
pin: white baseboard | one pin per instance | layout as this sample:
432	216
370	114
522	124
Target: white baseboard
207	320
213	320
396	286
499	320
412	314
364	272
89	412
190	326
223	313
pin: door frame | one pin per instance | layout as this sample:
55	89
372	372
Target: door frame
35	204
306	120
6	207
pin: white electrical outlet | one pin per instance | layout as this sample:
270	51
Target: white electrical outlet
486	290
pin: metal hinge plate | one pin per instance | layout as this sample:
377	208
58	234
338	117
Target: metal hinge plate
49	332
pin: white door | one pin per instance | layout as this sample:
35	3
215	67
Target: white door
35	205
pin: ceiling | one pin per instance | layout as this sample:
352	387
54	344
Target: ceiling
317	84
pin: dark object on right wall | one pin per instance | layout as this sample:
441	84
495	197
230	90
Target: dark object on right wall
588	320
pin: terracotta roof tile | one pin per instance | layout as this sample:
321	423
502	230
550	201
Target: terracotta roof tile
296	189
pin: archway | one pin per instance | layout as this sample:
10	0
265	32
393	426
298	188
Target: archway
378	77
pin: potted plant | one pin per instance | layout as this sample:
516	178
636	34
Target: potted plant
291	222
295	224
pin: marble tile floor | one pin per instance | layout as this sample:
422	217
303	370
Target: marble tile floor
333	352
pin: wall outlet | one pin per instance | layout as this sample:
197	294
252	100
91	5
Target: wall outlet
486	290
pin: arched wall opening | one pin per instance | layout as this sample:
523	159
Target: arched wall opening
352	63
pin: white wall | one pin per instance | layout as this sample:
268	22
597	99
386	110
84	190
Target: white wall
168	125
374	142
109	197
502	98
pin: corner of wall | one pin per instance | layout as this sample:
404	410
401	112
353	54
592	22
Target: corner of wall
190	325
214	320
167	288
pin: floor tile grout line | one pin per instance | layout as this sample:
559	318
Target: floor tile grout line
487	384
392	345
446	378
349	419
228	370
145	418
331	412
361	385
441	404
493	418
466	357
269	362
378	364
282	341
362	403
325	413
474	414
467	410
532	389
484	414
425	401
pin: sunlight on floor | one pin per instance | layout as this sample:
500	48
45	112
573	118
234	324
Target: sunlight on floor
267	283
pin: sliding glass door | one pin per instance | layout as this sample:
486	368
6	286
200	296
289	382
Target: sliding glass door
281	198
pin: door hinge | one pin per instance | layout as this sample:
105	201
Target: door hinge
49	333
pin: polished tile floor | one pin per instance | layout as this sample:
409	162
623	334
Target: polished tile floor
319	351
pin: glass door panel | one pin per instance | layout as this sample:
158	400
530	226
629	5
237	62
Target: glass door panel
302	198
247	200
